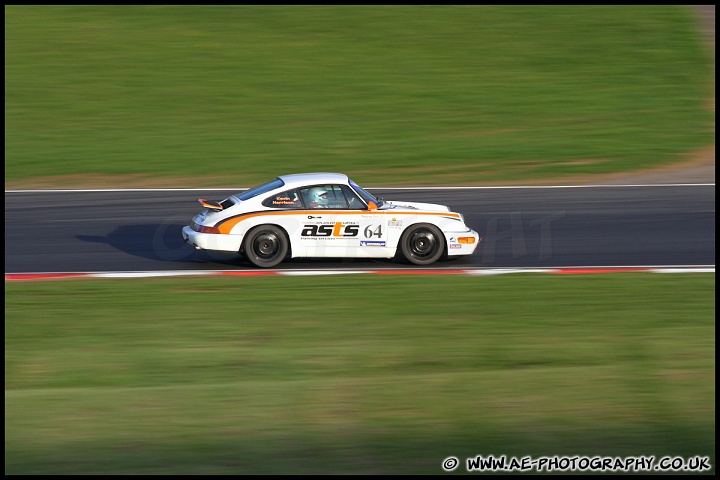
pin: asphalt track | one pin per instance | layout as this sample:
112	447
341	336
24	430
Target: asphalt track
522	227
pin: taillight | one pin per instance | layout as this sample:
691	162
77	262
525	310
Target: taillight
202	229
466	240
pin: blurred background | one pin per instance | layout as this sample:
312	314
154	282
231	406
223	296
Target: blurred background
390	374
227	96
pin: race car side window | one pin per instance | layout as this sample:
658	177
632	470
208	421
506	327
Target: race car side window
286	199
354	203
324	196
259	190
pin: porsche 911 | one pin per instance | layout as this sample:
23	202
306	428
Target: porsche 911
327	215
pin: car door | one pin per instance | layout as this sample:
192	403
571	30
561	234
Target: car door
342	226
327	230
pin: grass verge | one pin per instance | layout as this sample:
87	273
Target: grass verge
235	95
354	374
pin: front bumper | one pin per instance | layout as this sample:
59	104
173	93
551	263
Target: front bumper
212	241
462	243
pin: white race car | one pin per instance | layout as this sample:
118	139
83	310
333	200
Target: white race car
326	215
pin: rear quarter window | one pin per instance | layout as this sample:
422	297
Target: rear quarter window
286	199
259	190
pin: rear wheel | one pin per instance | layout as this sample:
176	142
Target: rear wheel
422	244
265	246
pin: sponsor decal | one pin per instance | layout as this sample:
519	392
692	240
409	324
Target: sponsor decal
372	243
455	245
333	230
395	223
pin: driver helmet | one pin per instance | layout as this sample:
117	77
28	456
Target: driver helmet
318	196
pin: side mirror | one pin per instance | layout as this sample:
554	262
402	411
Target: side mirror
372	206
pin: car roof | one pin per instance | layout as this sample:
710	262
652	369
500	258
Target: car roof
320	178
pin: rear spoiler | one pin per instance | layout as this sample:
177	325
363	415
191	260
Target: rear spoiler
211	205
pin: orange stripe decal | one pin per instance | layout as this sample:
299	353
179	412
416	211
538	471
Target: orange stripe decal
228	224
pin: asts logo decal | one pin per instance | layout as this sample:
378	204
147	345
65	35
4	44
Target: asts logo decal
338	229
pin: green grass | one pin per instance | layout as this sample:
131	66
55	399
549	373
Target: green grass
221	96
352	373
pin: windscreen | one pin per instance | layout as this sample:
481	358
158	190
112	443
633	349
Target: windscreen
365	195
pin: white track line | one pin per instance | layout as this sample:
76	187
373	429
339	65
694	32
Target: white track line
252	273
498	187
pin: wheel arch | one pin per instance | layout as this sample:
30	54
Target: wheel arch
255	227
421	223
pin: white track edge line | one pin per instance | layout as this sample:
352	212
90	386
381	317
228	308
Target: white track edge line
477	273
488	187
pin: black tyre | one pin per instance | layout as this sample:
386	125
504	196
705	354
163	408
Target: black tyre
265	246
422	244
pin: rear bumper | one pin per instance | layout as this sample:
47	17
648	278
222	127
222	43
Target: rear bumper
212	241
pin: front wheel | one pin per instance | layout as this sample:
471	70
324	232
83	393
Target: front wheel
265	246
422	244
